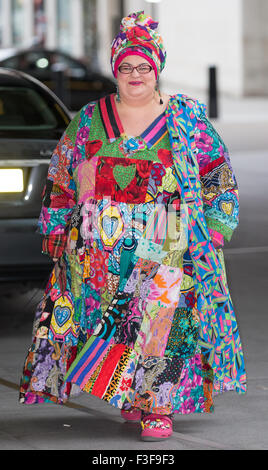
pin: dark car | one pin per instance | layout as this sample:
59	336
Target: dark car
32	120
69	78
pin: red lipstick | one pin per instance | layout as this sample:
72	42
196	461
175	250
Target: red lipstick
135	83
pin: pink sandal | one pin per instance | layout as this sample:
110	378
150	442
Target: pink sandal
133	415
156	427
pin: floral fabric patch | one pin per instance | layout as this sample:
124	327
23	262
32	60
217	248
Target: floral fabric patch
121	179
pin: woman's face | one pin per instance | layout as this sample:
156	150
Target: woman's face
135	84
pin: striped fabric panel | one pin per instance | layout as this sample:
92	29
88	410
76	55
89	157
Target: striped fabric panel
211	165
98	360
86	361
156	227
110	119
116	115
114	128
107	370
156	131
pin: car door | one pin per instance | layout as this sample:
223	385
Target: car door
31	123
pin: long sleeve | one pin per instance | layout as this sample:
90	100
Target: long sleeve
218	182
59	195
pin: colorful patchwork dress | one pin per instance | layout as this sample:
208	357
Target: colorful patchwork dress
121	317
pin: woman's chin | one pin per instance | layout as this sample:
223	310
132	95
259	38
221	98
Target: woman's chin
136	91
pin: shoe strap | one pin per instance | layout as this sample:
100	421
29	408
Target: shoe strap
153	417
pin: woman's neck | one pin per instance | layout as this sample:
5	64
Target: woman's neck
142	105
136	102
136	119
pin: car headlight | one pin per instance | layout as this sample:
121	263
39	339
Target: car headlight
11	180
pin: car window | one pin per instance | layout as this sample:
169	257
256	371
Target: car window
30	61
74	68
12	62
42	61
23	108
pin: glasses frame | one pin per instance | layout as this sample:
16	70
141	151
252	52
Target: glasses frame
133	68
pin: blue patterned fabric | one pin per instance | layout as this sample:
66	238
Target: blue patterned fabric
219	337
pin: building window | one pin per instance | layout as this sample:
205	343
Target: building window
40	30
1	23
17	9
64	25
90	33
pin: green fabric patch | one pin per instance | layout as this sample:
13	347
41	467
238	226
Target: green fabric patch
123	175
111	149
183	336
72	129
214	224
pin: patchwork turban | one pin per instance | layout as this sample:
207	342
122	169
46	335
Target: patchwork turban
138	36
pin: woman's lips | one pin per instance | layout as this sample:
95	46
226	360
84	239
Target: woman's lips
135	83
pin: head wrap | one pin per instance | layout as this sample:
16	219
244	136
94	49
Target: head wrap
138	36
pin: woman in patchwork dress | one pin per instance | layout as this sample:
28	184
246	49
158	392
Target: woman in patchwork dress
139	200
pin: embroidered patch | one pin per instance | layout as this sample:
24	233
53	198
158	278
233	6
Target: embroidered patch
227	207
62	322
110	226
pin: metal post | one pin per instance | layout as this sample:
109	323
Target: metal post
121	9
213	93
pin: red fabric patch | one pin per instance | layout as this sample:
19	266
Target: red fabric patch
107	185
71	358
99	260
92	147
165	156
108	369
61	201
54	245
210	166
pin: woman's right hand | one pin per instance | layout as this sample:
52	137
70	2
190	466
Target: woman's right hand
55	260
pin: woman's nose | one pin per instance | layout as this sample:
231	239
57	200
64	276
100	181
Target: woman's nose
135	72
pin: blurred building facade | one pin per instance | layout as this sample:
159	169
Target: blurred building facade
69	25
230	35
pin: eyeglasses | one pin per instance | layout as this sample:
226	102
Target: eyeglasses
141	68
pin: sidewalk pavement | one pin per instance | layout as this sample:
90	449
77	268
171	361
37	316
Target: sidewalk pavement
243	123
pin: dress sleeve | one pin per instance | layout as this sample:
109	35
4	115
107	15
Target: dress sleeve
218	182
59	194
